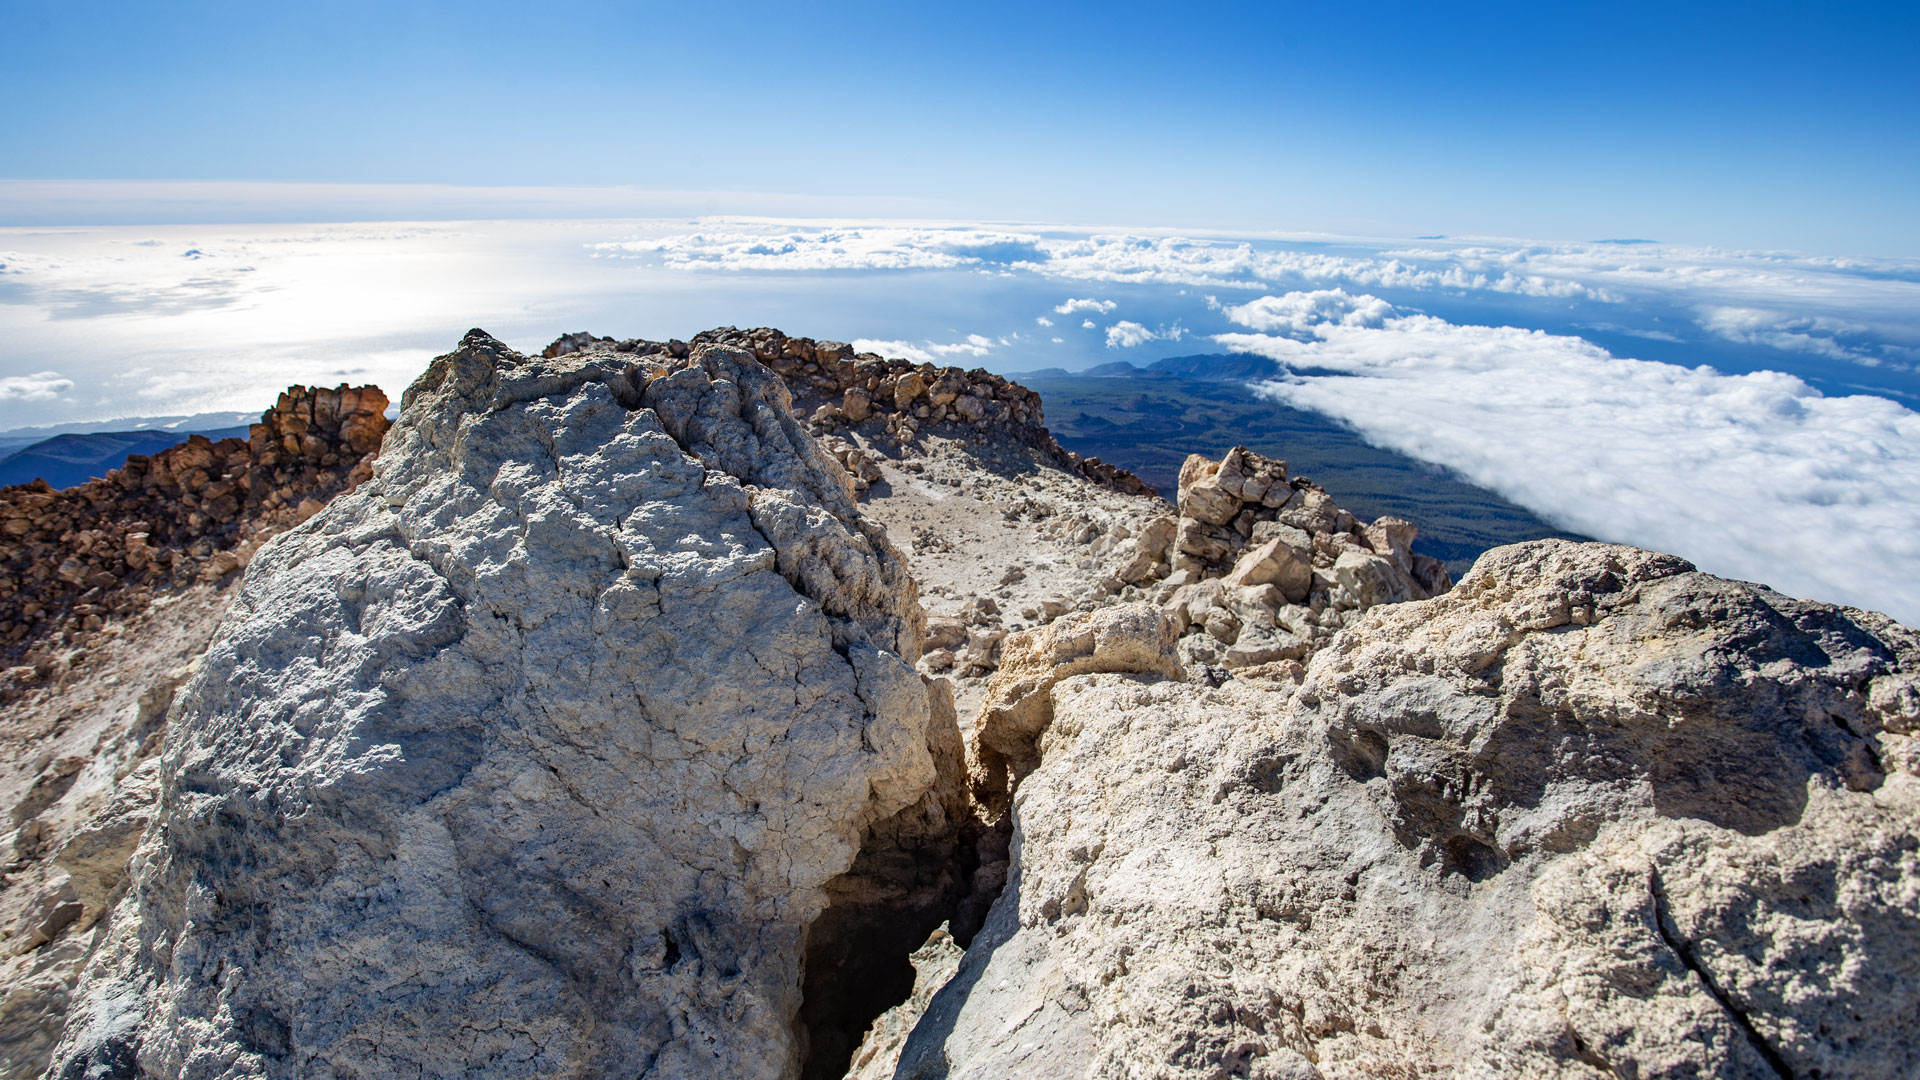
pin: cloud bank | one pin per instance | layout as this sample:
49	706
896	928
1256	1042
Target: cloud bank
1126	335
1864	311
853	248
1754	476
39	386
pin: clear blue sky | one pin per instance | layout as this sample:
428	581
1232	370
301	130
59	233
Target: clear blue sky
1753	125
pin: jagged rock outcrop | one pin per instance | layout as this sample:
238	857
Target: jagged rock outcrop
834	387
1262	569
537	755
1591	813
72	560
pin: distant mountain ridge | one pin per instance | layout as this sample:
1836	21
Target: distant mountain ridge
15	439
76	457
1210	367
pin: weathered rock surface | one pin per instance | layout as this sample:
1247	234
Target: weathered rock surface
1019	704
537	755
834	387
78	776
1591	813
109	593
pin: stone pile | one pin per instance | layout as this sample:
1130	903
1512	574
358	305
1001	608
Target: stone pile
834	387
71	560
1260	568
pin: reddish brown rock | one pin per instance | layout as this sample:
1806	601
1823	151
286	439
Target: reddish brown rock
832	386
72	559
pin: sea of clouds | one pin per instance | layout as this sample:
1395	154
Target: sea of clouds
1860	310
1754	476
1742	409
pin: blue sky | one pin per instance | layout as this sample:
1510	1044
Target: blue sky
1413	208
1750	125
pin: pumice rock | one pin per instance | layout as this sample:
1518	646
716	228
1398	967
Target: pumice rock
1591	813
535	755
1019	706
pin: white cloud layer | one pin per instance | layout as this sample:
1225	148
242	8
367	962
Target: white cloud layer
1756	476
1098	307
1127	335
39	386
851	248
927	352
1859	310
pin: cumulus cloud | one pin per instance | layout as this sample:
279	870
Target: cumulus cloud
927	352
1297	314
1126	335
1754	476
1832	338
1044	321
39	386
1098	307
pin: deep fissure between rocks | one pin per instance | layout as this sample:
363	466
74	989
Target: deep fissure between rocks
901	888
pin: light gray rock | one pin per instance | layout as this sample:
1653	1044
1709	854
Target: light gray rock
1590	814
534	756
1019	704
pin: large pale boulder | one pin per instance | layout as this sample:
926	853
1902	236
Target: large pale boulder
1133	638
1590	814
536	756
1201	495
1283	562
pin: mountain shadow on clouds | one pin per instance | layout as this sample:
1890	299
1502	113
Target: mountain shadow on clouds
1148	423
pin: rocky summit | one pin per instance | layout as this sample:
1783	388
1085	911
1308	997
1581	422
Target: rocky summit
750	707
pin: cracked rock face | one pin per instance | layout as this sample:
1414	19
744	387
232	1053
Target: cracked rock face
1591	813
533	756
